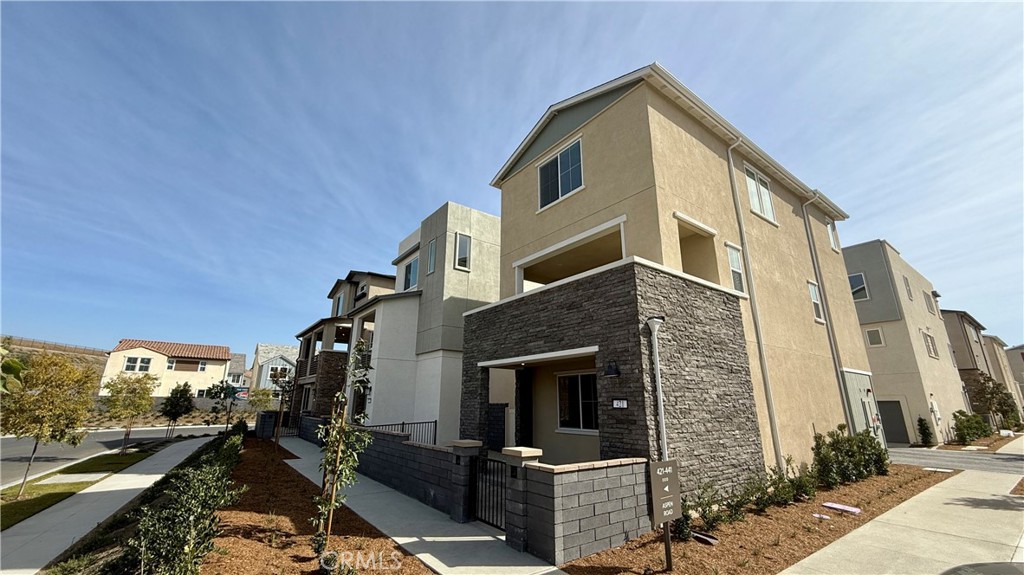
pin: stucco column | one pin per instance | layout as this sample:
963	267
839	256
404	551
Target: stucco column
463	452
515	494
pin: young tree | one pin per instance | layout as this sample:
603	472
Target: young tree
991	397
10	372
130	396
51	403
282	378
224	394
177	405
261	399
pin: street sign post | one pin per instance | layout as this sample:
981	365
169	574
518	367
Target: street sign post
665	500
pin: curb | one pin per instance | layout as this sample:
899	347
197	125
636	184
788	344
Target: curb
56	469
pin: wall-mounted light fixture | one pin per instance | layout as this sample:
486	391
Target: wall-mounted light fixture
612	370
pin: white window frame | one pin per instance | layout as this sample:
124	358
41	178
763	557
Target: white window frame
469	252
131	364
171	363
867	292
558	406
411	284
881	337
930	346
235	378
555	157
929	303
910	290
731	249
833	236
816	306
202	366
431	256
762	195
200	393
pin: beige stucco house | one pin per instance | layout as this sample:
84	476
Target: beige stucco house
636	199
1015	359
976	353
914	371
995	349
201	366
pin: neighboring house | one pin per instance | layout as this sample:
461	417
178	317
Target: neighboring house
201	366
322	363
1001	370
1015	358
914	372
445	267
972	355
269	360
635	200
237	370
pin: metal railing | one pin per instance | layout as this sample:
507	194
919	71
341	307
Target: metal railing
419	431
488	493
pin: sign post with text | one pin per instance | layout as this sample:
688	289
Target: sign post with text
666	503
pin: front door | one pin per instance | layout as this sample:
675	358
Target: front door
893	421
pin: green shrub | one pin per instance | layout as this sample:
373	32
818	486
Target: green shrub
925	431
709	506
841	458
968	428
681	528
736	504
802	481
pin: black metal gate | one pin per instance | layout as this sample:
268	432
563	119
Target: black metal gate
489	492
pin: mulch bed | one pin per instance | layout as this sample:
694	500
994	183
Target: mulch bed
268	531
1019	488
992	442
765	544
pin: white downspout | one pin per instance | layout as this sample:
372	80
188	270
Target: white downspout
837	364
654	323
773	423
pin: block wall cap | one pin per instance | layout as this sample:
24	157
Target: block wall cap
467	443
523	452
583	466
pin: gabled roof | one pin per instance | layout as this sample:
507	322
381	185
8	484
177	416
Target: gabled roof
265	351
662	80
177	350
352	274
289	360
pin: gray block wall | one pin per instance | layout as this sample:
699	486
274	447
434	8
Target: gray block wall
423	472
572	513
308	427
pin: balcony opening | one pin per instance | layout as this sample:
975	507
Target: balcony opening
697	256
594	250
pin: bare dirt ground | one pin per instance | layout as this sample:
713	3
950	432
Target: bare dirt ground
268	531
992	443
764	544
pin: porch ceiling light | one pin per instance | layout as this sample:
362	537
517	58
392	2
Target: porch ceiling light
612	370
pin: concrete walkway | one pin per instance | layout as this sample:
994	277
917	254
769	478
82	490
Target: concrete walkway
969	518
1015	447
447	547
28	546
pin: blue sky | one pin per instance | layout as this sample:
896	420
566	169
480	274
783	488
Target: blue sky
203	172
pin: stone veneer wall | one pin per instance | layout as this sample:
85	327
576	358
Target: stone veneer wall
576	510
711	417
423	472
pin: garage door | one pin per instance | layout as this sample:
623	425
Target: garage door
893	422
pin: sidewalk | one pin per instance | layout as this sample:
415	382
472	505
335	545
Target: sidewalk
969	518
31	544
446	547
1015	447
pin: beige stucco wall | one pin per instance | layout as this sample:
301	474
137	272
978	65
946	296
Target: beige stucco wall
559	446
216	371
970	354
1002	372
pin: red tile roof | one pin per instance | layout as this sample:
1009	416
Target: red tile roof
177	350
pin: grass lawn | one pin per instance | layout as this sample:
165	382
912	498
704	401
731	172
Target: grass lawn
38	497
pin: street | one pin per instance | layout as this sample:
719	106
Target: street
14	453
997	462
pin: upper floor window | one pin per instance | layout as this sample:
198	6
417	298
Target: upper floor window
974	333
833	237
874	337
463	249
906	285
136	363
170	364
278	372
577	401
859	287
929	344
760	194
202	366
412	270
339	304
561	175
929	303
735	266
431	255
236	378
819	312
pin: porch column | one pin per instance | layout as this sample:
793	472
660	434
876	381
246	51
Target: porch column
463	453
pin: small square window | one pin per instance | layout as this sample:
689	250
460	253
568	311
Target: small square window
144	363
577	401
202	366
561	175
735	267
131	364
819	312
859	287
201	393
875	338
463	251
170	364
